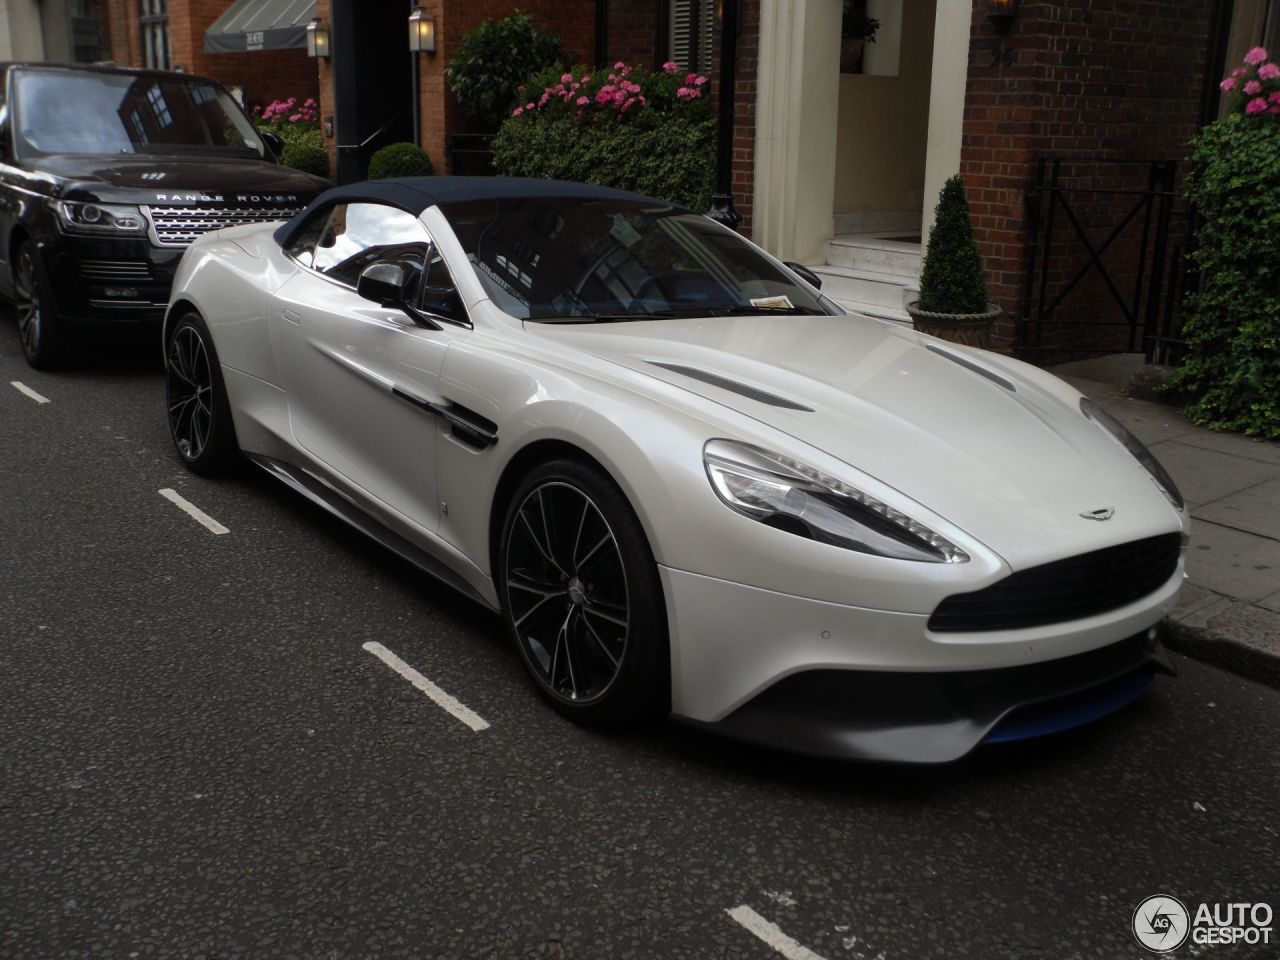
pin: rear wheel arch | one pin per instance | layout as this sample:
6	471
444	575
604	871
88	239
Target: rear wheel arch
17	235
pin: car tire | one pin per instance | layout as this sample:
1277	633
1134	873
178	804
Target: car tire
39	327
582	599
196	399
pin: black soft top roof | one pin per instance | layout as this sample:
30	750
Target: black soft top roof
415	194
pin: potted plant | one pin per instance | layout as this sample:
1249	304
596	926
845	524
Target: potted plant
856	30
953	300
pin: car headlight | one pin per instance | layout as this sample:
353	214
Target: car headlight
100	218
794	497
1135	446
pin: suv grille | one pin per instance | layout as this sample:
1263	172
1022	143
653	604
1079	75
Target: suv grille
116	270
180	226
1064	590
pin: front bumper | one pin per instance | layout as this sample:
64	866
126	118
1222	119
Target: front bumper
940	717
111	286
836	680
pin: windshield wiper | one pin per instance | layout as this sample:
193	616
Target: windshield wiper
607	317
751	310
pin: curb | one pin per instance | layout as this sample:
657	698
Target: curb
1236	636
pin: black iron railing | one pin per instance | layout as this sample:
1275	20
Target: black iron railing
1105	259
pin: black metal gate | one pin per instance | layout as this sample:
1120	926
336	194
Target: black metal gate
471	153
1105	259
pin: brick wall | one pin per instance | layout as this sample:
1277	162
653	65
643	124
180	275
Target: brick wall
633	33
1109	81
265	75
744	121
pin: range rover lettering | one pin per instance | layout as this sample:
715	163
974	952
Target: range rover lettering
106	177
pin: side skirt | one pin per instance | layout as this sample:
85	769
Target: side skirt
322	494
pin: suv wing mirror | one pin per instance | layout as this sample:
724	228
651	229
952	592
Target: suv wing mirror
807	275
274	144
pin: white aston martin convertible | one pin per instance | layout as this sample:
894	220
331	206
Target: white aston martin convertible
688	482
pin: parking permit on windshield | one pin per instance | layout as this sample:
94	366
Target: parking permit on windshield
773	303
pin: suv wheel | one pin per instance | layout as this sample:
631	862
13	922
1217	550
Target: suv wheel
38	325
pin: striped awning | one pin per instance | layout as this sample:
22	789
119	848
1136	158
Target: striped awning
260	25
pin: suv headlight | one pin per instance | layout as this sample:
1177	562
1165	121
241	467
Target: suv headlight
1121	435
791	496
100	218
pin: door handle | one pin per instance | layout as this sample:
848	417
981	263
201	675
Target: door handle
291	316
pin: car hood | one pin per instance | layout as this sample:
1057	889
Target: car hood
984	445
167	179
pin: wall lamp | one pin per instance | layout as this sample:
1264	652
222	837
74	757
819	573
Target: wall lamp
422	31
1002	13
317	40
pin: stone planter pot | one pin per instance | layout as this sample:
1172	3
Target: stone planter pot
971	329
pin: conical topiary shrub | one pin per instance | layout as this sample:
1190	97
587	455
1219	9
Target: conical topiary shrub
953	293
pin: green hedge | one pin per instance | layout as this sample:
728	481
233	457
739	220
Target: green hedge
399	160
649	132
1230	377
305	151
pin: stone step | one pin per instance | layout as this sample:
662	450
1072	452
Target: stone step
879	221
872	287
875	253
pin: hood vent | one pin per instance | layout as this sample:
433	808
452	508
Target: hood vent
975	367
733	386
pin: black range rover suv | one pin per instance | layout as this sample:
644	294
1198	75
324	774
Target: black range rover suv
106	176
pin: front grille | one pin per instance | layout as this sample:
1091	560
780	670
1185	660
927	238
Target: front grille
1064	590
115	270
180	226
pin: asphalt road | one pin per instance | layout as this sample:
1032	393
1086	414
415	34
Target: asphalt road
199	759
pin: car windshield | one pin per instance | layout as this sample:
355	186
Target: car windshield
570	259
59	112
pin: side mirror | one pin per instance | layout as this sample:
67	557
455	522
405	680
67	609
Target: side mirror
807	275
382	283
274	144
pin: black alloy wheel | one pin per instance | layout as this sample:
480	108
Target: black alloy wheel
196	399
582	597
38	325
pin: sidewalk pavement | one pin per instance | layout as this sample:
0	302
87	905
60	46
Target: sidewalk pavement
1229	610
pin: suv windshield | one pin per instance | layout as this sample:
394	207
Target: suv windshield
578	260
90	112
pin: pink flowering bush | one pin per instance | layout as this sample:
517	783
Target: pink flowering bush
297	124
288	111
650	131
1230	376
1256	85
616	94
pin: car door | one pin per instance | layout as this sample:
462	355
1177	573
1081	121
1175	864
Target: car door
362	378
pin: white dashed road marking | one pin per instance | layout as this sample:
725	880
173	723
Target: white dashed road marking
778	941
26	391
194	512
445	701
